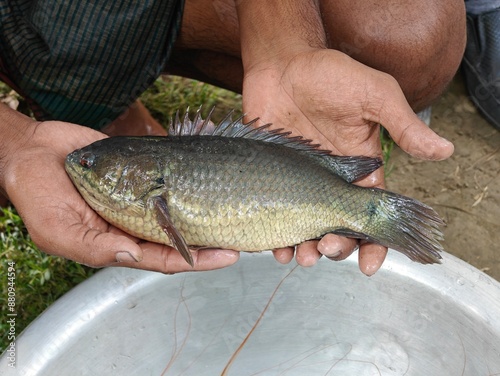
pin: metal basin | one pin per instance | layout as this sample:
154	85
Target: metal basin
408	319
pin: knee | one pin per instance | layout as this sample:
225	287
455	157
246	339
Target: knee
419	43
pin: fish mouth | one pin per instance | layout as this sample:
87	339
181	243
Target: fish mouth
76	172
72	166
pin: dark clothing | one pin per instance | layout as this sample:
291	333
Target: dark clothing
85	61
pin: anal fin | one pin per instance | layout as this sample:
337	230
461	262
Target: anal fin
165	221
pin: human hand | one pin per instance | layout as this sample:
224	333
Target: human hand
58	219
326	96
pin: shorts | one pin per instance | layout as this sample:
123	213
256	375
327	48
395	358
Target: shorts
85	61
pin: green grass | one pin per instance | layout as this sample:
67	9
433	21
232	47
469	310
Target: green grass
41	279
170	93
387	148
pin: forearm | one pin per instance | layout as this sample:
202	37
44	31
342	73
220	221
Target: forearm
271	29
13	130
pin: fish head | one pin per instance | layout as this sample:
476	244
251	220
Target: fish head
110	174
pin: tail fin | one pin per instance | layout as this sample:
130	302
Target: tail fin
404	224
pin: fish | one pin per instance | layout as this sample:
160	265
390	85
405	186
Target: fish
238	186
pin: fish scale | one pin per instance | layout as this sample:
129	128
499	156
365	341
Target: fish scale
246	189
252	224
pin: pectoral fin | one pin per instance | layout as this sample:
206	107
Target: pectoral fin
164	220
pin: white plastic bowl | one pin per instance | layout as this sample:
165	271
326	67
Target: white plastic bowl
408	319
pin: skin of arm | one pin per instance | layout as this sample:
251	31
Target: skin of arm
294	81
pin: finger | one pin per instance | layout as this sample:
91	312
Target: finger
371	257
336	247
116	231
418	140
168	260
283	255
373	180
413	135
95	248
391	110
307	253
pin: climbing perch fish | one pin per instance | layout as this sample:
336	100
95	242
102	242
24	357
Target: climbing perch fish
234	186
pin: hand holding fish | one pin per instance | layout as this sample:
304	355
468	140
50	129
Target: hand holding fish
58	219
337	102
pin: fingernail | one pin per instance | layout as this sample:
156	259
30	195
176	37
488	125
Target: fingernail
126	257
369	271
225	256
334	256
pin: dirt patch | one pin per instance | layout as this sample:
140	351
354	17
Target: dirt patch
464	189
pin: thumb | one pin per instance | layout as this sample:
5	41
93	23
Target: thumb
98	249
106	249
390	109
413	135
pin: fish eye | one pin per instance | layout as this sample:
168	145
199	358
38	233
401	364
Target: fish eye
87	160
160	181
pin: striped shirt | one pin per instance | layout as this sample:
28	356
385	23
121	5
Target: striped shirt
85	61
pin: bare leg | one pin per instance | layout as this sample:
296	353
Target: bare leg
136	121
419	43
3	201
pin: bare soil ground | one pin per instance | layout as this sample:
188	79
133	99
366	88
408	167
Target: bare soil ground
465	189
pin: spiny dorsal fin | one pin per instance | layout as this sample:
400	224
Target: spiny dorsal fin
228	127
348	168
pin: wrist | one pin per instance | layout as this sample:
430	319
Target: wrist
274	32
14	128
